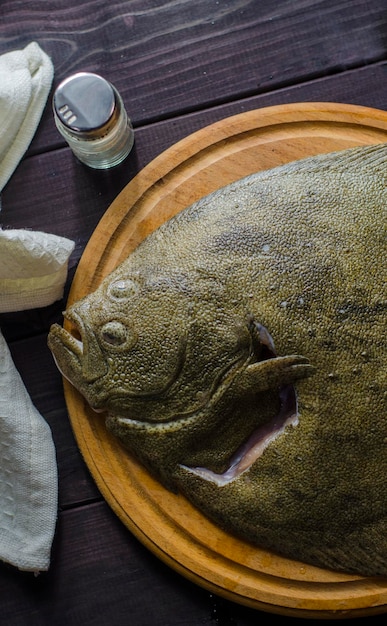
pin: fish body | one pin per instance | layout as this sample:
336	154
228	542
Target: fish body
240	354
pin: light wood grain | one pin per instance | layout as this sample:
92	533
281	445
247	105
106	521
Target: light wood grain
166	523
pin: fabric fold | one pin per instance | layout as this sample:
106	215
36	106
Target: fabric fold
25	81
33	268
28	474
33	272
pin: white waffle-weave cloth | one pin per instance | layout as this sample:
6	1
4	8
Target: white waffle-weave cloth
33	271
25	82
28	474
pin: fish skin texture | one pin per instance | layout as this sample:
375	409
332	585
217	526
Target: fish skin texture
176	352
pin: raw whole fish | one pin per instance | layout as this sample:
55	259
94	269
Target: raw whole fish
240	354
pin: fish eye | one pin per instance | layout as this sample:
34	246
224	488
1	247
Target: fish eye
114	333
122	288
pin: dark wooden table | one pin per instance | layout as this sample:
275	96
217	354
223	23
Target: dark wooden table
179	66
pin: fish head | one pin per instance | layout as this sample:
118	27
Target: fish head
137	346
126	341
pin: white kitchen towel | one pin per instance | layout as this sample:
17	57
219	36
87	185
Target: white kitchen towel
33	271
33	268
28	474
25	81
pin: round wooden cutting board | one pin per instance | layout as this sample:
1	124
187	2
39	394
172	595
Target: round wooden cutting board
166	523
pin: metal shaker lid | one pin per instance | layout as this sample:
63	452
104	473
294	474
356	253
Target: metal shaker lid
85	103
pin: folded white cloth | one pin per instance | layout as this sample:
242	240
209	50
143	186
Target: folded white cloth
33	268
33	271
28	474
25	81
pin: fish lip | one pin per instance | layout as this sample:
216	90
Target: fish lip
74	345
71	343
87	342
72	317
59	337
86	335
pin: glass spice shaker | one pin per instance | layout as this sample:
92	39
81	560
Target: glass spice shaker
90	115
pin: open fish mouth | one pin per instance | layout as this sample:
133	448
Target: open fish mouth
71	349
71	343
67	351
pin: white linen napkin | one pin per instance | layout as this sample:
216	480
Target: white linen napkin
28	474
33	271
25	81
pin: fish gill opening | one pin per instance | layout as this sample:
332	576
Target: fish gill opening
256	443
254	446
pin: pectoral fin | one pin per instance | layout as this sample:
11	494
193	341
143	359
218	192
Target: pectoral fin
274	372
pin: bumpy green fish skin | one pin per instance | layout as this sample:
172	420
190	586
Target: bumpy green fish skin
259	311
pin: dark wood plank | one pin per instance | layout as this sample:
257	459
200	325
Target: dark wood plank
56	193
172	57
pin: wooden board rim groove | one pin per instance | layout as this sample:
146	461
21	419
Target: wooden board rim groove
324	595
